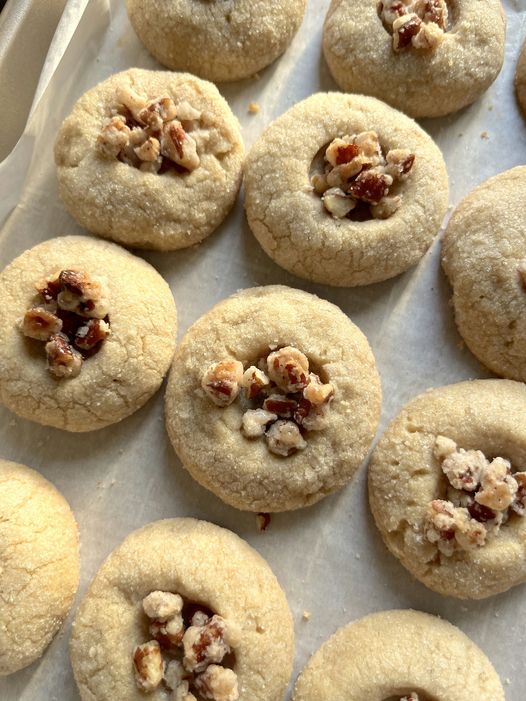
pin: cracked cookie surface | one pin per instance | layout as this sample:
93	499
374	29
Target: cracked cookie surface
206	566
130	364
145	209
39	556
406	654
209	439
422	83
287	215
484	257
220	40
409	473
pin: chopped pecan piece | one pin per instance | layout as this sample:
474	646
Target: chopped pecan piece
317	392
255	422
450	527
149	666
405	28
413	696
464	468
207	644
341	151
169	633
157	112
177	145
93	332
280	405
200	618
399	162
386	207
217	683
519	503
82	294
182	693
434	11
62	359
498	486
371	186
254	381
162	605
289	369
41	324
174	673
338	203
284	438
221	381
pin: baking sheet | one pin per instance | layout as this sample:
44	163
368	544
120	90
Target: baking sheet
329	558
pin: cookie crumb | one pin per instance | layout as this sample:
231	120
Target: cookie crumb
484	135
253	107
307	615
262	521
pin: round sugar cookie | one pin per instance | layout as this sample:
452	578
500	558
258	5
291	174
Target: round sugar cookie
447	70
220	40
150	159
273	445
447	487
39	552
520	79
410	656
287	170
484	257
195	566
88	333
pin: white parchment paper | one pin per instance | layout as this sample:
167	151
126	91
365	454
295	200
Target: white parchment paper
329	558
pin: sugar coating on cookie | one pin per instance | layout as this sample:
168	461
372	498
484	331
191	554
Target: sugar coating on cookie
425	57
407	653
150	159
220	40
344	190
447	487
89	333
520	79
154	623
39	552
484	257
273	399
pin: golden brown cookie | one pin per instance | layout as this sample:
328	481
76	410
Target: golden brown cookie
183	607
150	159
399	656
220	40
445	58
88	333
344	190
447	487
273	399
39	556
484	257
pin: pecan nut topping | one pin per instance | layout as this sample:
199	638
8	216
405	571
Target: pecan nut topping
357	175
285	399
481	497
71	316
417	24
153	135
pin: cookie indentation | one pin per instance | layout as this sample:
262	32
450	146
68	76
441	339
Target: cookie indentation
70	315
284	400
191	650
356	180
151	135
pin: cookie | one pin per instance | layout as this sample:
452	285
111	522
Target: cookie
273	399
425	57
88	333
150	159
484	257
447	487
217	40
520	79
344	190
406	654
190	600
39	552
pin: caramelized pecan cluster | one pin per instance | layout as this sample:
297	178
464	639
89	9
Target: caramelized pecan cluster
283	399
419	24
151	135
71	316
357	174
481	497
413	696
185	651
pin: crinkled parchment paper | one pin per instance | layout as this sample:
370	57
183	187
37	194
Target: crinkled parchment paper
329	558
